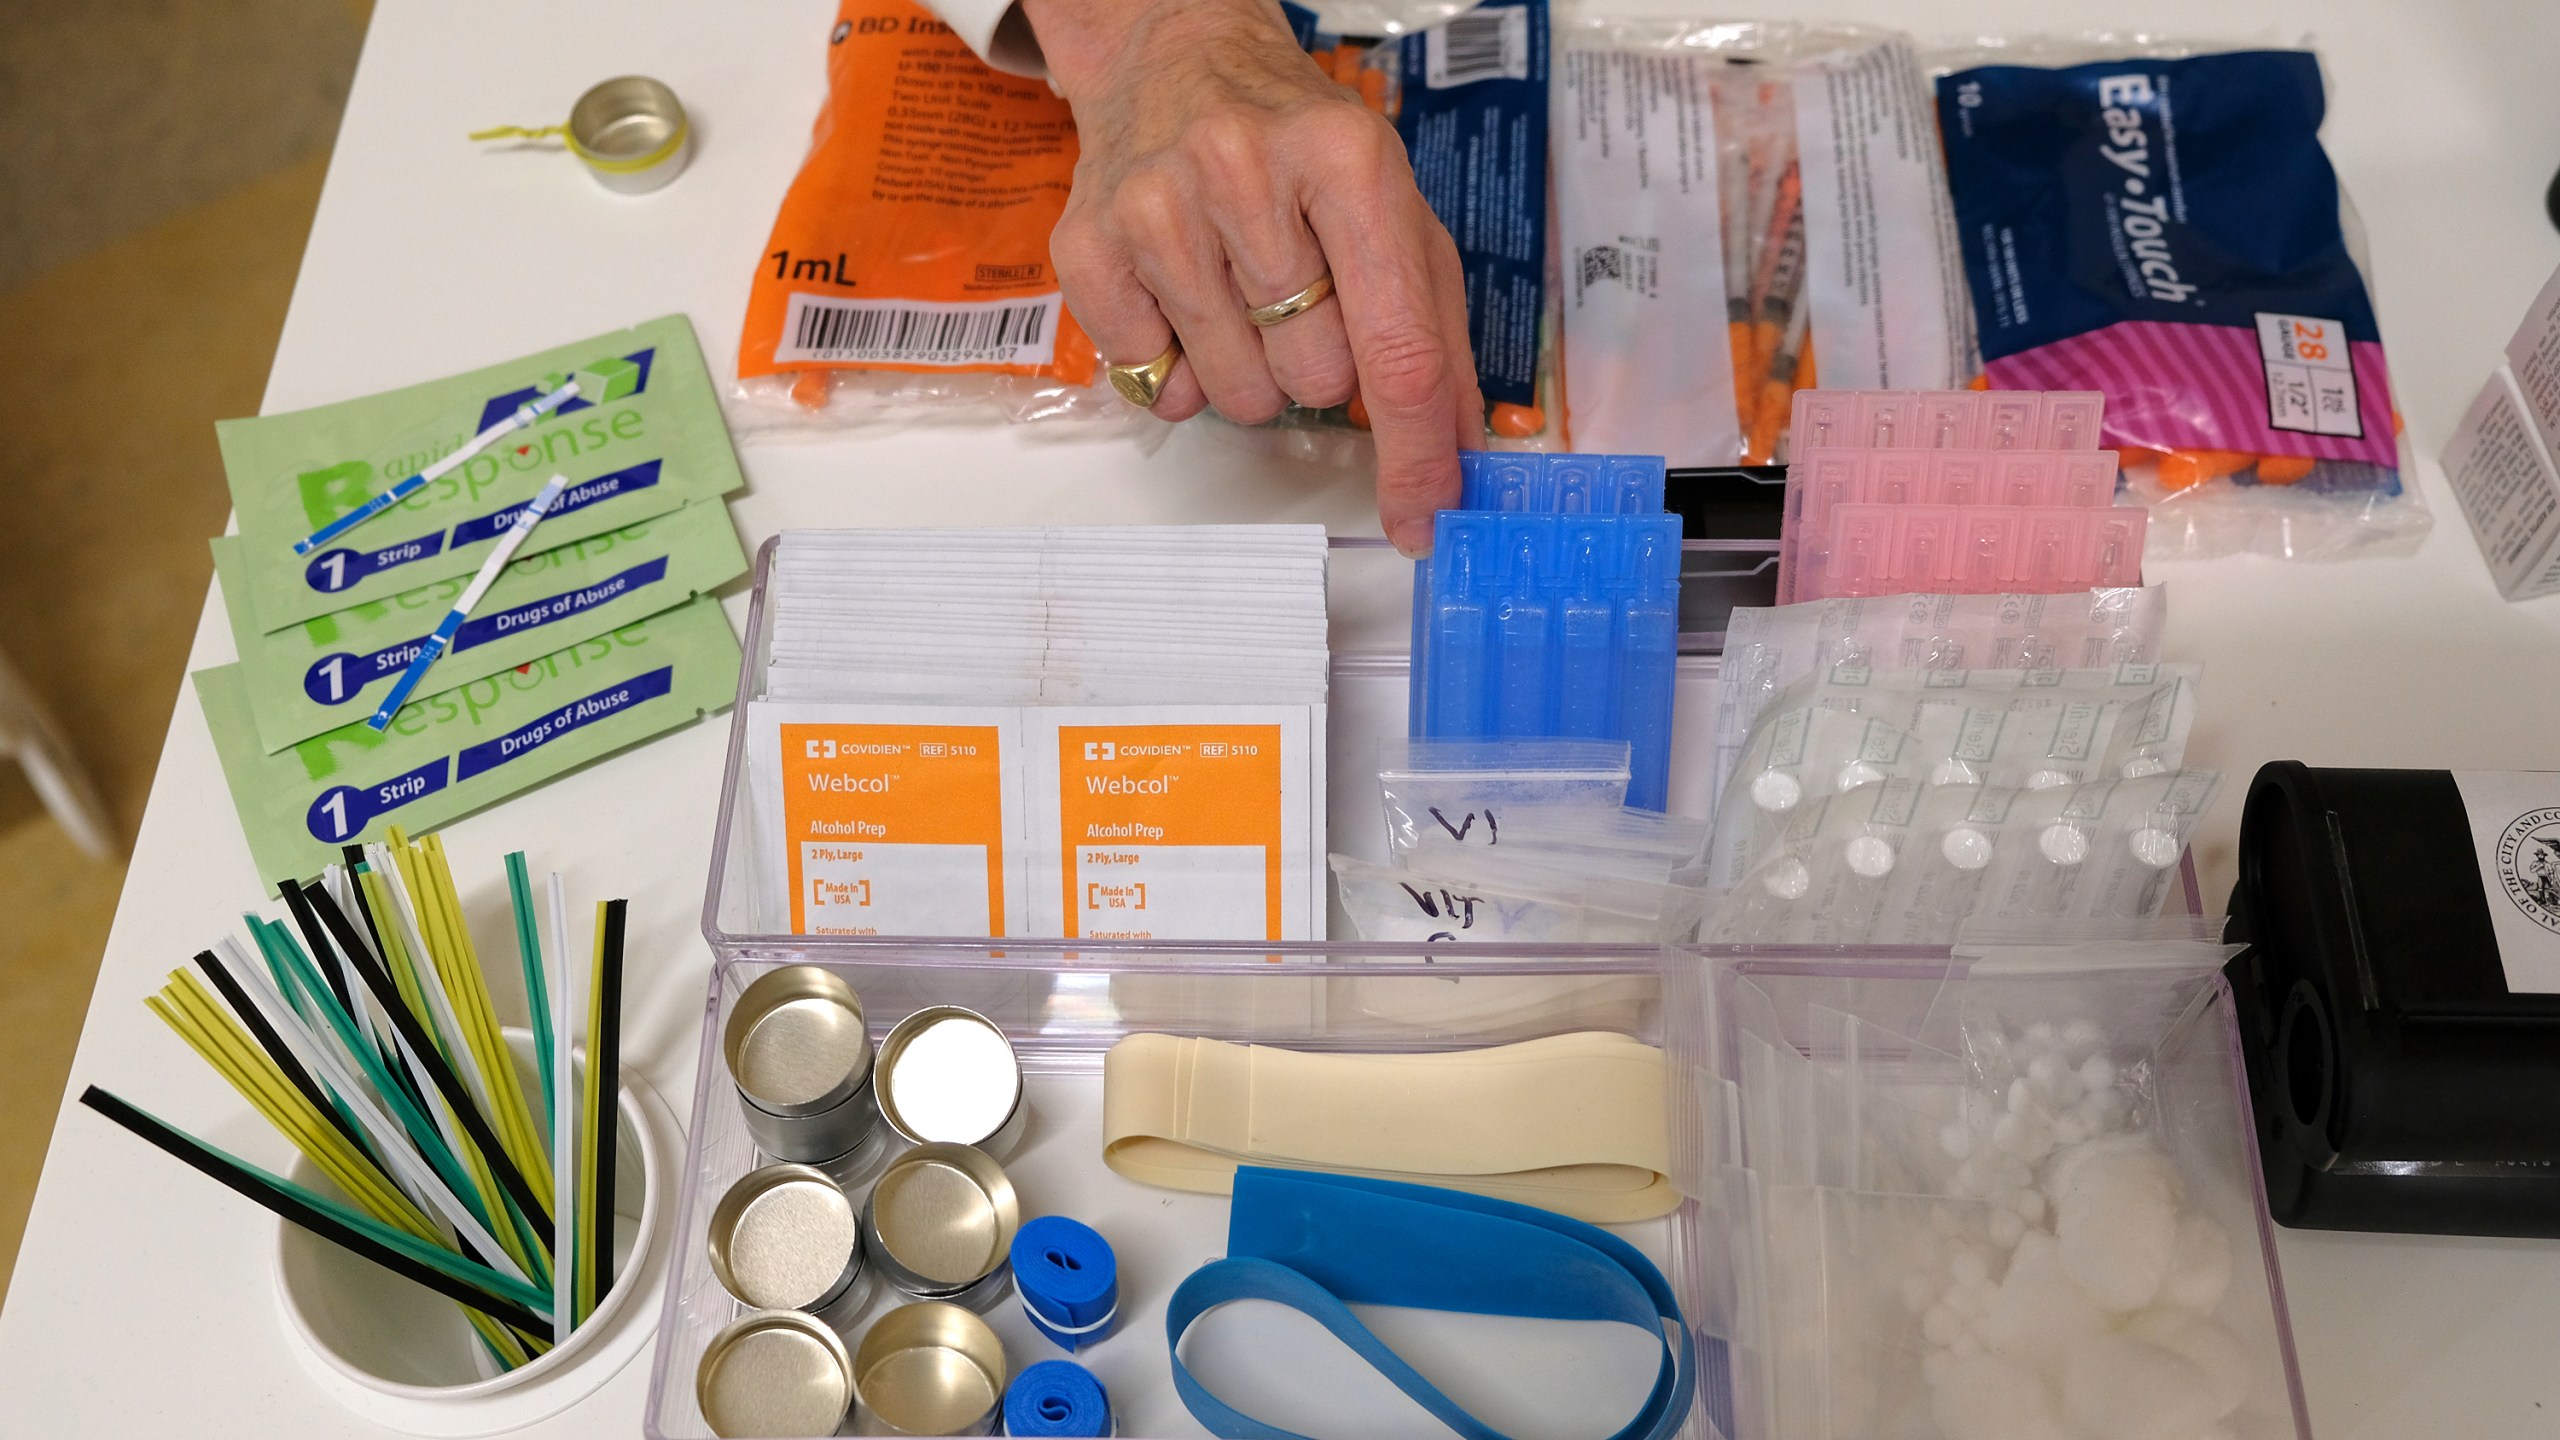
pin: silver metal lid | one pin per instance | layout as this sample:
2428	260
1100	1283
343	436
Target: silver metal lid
775	1373
941	1219
785	1238
797	1043
930	1369
632	133
949	1075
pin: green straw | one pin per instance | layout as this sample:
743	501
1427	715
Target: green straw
537	990
500	1296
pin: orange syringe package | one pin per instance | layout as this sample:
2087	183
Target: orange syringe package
909	271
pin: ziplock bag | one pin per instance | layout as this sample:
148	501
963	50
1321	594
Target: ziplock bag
1768	186
1469	895
2163	225
1579	839
1462	789
1835	732
908	271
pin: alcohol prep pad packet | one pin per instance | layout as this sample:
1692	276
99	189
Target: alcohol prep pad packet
1176	822
643	436
452	752
316	675
1191	822
888	819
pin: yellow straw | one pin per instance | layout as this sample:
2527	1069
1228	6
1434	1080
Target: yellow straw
476	1165
212	1033
469	987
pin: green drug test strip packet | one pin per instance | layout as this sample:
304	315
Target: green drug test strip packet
455	751
316	676
655	441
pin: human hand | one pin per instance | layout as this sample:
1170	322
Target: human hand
1222	170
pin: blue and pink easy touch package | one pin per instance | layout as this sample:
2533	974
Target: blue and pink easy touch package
2169	232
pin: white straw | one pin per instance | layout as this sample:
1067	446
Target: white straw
564	1110
388	1137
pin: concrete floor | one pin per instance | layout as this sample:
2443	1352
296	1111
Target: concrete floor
159	164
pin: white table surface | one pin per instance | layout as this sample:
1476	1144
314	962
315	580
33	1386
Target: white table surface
142	1303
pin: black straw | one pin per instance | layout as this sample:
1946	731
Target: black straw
604	1051
293	1207
447	1083
255	1022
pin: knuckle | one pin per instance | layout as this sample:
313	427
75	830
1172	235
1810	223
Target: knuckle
1248	403
1324	382
1152	206
1354	133
1229	146
1077	248
1404	368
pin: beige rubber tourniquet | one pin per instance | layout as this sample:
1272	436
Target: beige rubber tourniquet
1571	1123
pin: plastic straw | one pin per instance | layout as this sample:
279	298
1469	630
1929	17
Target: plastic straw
415	1042
607	1065
426	1169
265	1035
213	1034
486	1154
564	1126
470	988
537	998
474	1285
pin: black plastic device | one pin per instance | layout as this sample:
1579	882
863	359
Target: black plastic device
2399	1083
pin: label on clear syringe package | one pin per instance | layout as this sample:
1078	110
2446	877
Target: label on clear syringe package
1189	831
888	828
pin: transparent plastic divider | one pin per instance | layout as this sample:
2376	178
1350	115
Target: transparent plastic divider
1803	1150
1064	1006
1369	589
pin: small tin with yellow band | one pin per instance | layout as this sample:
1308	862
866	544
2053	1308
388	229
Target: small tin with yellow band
631	132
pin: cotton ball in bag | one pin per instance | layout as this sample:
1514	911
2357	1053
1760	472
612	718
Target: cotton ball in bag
2199	1267
1990	1397
2213	1350
2038	1313
2117	1387
2115	1207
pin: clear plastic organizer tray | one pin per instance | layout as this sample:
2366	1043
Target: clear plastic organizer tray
1799	1084
1370	596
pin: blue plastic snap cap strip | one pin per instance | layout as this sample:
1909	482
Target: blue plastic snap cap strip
1321	1243
1057	1398
1068	1279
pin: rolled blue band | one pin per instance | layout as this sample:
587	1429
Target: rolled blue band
1068	1278
1314	1242
1057	1398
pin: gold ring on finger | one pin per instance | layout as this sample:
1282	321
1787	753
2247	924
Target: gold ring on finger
1143	385
1298	304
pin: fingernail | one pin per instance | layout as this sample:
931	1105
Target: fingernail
1412	537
